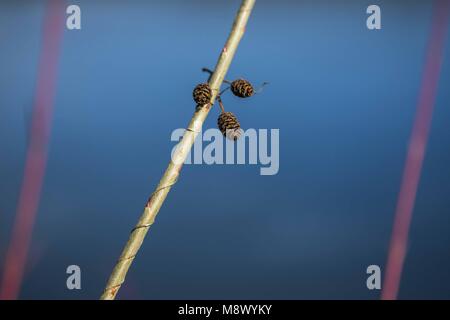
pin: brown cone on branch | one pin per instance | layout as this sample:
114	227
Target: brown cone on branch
242	88
202	94
229	126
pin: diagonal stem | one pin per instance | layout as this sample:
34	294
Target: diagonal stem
173	170
211	73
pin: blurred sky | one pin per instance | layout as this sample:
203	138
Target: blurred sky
342	96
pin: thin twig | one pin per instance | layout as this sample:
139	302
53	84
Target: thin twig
173	170
261	87
223	91
220	103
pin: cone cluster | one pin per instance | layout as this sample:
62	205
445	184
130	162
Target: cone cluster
227	122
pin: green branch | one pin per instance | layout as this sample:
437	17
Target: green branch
172	172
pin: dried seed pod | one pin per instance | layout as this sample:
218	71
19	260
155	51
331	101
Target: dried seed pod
229	125
242	88
202	94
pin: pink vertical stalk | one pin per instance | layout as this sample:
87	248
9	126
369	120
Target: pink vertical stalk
36	157
416	150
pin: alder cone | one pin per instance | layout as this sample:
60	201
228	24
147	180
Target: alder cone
229	125
242	88
202	94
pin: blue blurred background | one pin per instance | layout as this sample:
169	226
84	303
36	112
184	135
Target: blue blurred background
343	97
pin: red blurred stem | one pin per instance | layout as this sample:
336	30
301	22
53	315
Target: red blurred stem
36	157
416	150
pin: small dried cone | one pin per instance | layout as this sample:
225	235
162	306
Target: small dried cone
202	94
242	88
229	126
